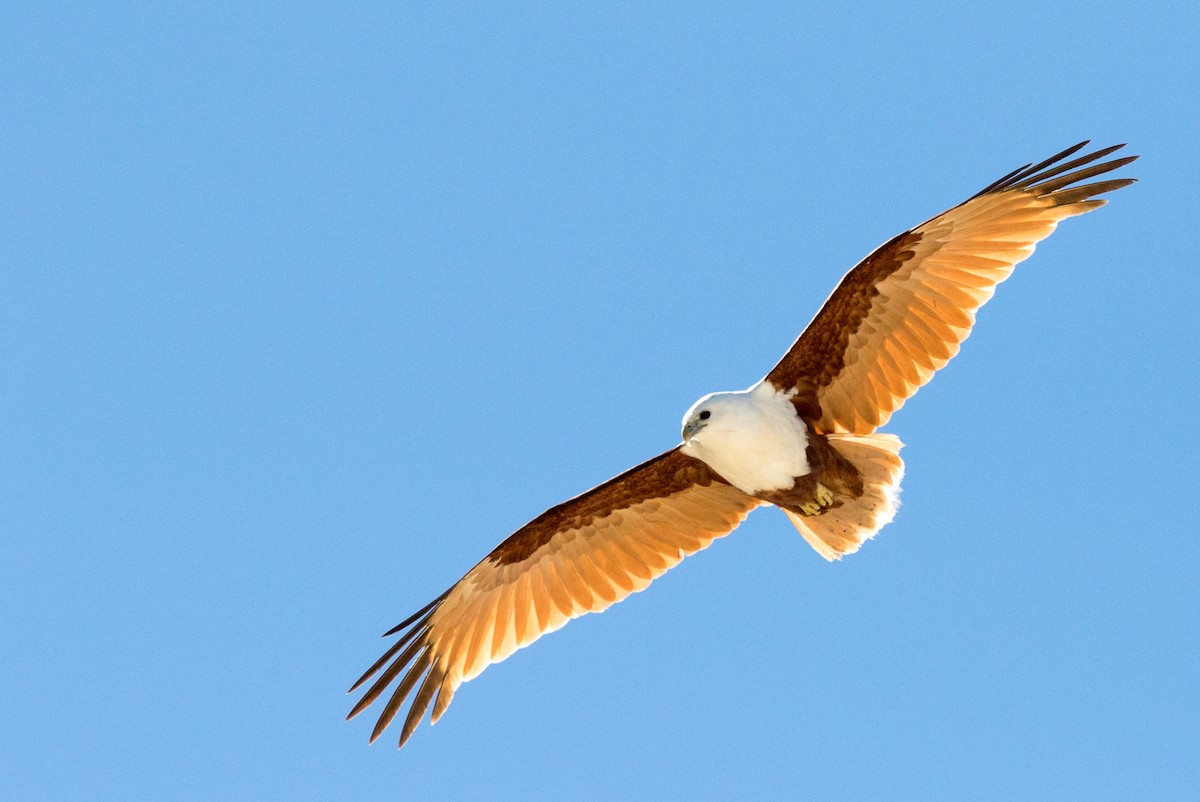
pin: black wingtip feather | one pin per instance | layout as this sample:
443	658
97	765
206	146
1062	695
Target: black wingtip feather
415	657
1047	176
411	654
1052	181
1055	159
395	647
420	704
1088	192
1002	180
400	694
408	621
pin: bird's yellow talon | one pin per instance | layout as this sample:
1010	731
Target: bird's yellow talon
824	497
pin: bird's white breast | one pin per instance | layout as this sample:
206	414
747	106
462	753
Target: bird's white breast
754	439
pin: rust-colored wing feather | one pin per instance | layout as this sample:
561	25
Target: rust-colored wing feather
902	312
579	557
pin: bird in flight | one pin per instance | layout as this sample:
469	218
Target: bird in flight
802	439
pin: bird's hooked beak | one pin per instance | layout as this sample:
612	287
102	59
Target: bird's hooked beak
690	428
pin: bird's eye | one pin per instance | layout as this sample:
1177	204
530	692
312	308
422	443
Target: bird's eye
705	415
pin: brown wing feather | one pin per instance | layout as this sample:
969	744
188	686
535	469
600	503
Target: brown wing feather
576	558
902	312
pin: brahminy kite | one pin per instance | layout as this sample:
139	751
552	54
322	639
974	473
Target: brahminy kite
803	439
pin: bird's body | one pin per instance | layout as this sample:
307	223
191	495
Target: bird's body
803	439
759	442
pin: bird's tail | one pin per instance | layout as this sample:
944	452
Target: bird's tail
842	529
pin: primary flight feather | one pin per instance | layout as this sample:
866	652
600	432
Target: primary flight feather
803	439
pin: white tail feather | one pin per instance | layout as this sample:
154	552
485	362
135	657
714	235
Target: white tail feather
841	530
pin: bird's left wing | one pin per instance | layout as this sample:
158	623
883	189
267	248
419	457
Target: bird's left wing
901	313
579	557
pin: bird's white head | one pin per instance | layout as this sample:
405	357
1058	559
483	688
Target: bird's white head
739	413
714	414
753	438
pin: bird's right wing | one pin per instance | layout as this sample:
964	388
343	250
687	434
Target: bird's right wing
579	557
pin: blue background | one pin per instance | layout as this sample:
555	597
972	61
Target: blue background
303	309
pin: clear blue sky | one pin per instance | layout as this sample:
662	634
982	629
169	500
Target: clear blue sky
304	309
